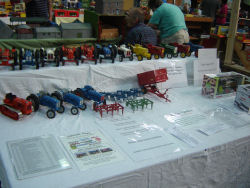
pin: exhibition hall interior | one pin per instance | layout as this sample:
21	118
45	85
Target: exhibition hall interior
124	93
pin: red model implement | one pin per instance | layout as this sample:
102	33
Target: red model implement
148	81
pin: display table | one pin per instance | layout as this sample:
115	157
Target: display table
221	159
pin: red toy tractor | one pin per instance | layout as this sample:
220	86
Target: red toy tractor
15	107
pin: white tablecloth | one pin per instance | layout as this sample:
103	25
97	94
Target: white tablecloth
218	160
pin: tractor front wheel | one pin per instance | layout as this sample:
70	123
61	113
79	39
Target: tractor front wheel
74	110
51	114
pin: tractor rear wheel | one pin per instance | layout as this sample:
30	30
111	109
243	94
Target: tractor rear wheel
34	100
61	109
58	96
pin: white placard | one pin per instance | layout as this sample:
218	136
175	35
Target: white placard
207	53
89	150
177	75
36	156
212	128
205	66
140	139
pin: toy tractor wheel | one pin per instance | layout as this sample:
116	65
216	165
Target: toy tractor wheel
63	62
115	51
113	59
13	66
74	110
169	56
120	58
57	61
131	57
95	106
61	109
140	58
149	57
196	53
77	62
162	55
83	107
37	64
34	100
189	54
176	55
183	55
144	90
156	56
100	60
51	114
58	96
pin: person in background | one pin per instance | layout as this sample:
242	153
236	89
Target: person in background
185	6
221	15
209	7
170	21
39	8
139	33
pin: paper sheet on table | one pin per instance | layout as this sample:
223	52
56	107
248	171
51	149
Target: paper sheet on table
185	117
212	128
183	136
36	156
89	150
140	139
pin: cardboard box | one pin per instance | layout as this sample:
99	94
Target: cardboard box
242	99
218	85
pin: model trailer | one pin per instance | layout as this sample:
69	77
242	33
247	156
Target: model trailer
15	107
70	98
47	100
148	82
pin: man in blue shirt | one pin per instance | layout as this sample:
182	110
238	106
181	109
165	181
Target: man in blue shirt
139	32
170	21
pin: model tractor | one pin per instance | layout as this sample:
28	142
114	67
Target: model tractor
140	52
71	55
71	98
170	51
157	51
88	52
106	52
40	57
8	58
15	107
27	57
125	52
89	93
52	103
148	82
194	48
183	50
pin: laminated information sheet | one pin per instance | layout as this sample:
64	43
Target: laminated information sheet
141	139
89	150
36	156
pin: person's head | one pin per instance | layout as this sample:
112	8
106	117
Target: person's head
134	16
154	4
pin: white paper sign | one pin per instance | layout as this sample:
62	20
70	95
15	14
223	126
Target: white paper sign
205	66
177	75
89	150
207	53
140	139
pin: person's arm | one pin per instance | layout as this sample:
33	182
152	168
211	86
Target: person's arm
50	9
154	26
